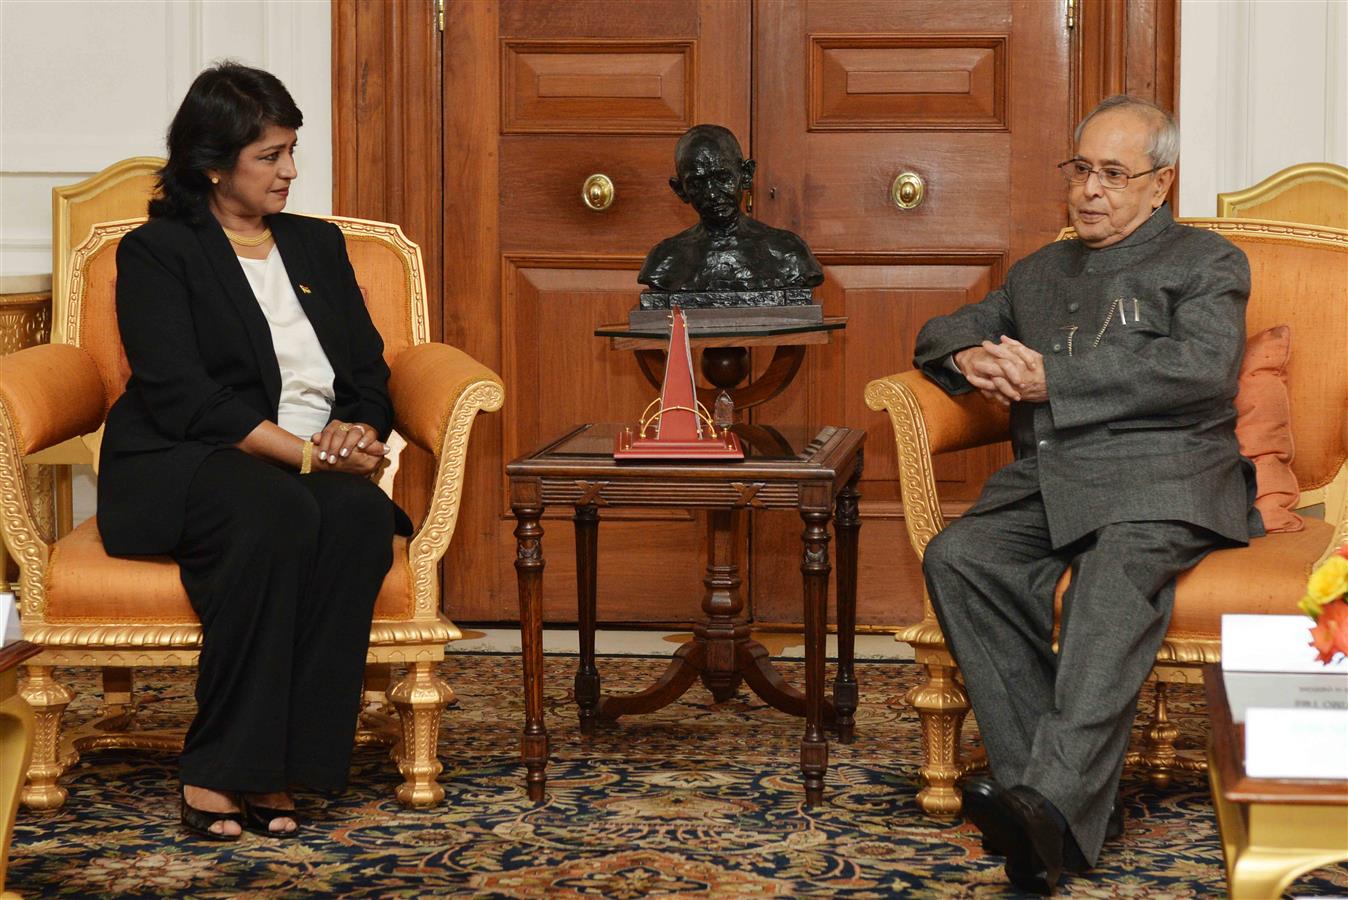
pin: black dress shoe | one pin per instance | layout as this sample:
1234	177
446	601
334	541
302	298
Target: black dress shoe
980	789
982	795
1034	850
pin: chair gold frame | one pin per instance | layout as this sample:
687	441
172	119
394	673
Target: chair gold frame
926	421
1307	193
50	394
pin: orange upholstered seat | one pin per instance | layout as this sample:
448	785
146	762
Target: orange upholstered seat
1269	571
149	589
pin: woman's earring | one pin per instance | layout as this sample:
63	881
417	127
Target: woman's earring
215	179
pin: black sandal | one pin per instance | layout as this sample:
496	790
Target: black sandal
257	819
199	822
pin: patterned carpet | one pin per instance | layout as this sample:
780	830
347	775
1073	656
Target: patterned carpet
696	800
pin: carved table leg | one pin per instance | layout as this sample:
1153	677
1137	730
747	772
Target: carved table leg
846	524
587	674
815	569
941	704
529	573
48	698
683	670
722	603
16	745
420	699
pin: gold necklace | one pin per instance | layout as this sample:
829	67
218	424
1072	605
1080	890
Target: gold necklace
248	241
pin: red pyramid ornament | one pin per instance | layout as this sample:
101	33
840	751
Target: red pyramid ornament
679	427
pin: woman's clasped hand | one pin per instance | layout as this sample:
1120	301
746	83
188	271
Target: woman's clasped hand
352	447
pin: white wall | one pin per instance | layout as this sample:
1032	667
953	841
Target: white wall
84	83
1263	85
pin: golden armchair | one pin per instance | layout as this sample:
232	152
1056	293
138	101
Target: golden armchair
85	608
1299	278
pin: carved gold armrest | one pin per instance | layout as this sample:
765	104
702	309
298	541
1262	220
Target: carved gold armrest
437	392
927	421
48	394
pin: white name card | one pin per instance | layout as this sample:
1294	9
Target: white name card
1296	743
9	619
1272	644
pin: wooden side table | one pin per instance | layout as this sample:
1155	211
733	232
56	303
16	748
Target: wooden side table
16	744
1272	829
818	478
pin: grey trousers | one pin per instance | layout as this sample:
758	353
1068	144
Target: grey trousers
1058	723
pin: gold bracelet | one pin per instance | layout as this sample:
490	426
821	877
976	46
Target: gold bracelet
307	458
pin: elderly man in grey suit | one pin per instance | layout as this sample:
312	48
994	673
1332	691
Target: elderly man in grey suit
1117	354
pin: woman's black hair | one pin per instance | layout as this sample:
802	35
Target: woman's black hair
226	108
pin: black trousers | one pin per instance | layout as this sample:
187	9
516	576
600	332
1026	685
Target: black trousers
283	570
1058	722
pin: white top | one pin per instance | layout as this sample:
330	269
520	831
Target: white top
306	374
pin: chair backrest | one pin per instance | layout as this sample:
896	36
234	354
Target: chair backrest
1309	193
1299	278
388	269
121	191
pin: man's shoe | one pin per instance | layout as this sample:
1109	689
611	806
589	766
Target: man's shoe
1034	852
982	794
1114	827
979	789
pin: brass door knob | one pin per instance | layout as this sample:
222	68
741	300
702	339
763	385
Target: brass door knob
908	191
597	192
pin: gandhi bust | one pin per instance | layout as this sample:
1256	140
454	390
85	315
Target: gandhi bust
725	251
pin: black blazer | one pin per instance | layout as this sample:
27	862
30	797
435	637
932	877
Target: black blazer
203	368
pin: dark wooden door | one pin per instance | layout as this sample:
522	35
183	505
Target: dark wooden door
478	138
971	97
540	95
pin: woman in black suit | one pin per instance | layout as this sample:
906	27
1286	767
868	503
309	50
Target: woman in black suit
244	447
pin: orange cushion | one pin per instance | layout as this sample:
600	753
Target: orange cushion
86	586
1268	576
1264	427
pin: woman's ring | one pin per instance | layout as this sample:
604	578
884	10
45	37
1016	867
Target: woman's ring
344	426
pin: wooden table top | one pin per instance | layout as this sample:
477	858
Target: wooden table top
623	337
13	654
1228	750
793	452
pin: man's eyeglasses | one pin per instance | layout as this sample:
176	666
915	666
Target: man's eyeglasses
1111	178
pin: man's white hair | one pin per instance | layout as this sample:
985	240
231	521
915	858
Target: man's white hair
1163	149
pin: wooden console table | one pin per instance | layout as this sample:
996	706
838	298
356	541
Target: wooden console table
16	744
818	478
1272	829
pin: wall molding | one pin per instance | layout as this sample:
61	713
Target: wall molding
172	41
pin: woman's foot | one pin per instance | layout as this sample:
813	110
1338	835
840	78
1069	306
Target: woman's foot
212	814
265	814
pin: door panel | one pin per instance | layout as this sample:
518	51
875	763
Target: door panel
563	90
974	99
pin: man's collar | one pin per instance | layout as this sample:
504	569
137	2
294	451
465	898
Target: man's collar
1158	221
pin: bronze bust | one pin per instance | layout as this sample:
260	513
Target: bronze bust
726	251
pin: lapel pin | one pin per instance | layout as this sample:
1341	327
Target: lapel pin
305	288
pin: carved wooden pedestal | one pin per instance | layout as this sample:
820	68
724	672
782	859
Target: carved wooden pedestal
819	482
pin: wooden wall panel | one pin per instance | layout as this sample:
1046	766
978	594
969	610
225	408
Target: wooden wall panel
908	82
598	87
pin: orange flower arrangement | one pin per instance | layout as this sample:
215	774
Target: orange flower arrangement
1326	602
